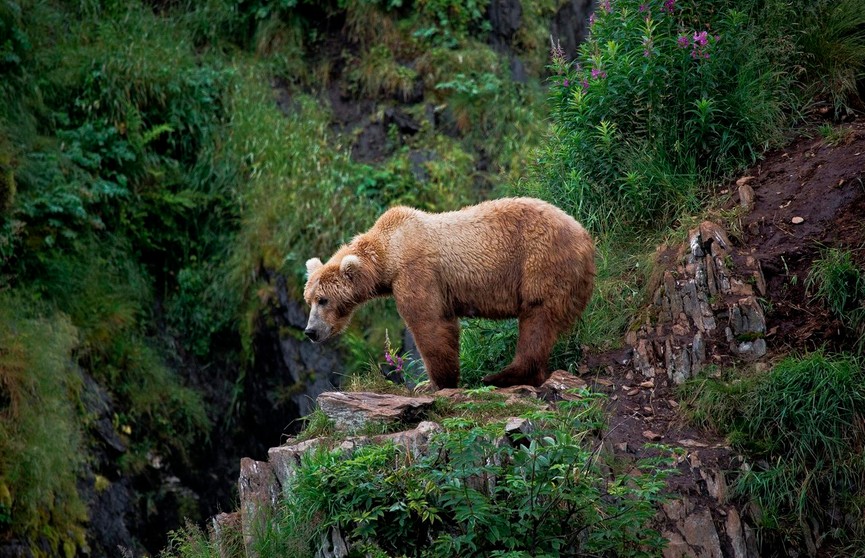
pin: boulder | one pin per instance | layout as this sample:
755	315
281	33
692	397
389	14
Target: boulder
351	411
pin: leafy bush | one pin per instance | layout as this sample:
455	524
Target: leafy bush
448	21
653	106
801	427
475	496
107	298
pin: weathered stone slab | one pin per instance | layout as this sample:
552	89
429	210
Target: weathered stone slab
351	411
416	441
332	544
284	460
559	384
694	533
259	491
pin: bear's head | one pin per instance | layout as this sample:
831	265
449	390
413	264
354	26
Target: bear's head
333	291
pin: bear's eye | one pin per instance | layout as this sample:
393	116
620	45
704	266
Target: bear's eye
322	302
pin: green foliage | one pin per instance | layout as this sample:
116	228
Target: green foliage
316	425
653	106
299	200
495	114
623	268
447	21
486	346
377	73
836	135
40	442
14	46
202	310
107	298
192	542
474	496
801	426
833	42
715	405
839	283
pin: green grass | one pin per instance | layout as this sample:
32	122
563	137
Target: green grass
41	447
378	74
836	135
833	41
837	281
800	426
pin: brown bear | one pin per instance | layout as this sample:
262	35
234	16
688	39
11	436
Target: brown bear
508	258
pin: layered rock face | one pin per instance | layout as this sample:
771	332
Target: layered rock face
705	309
697	520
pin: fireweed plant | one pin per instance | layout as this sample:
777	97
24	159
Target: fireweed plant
661	98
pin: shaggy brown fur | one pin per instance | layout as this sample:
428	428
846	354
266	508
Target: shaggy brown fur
514	257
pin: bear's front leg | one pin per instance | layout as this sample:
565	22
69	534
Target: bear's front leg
438	341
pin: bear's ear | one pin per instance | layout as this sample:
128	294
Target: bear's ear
350	265
311	265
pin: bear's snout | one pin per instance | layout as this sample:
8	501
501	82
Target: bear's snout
312	334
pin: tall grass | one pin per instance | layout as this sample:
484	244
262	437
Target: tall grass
41	448
802	427
299	199
833	41
836	280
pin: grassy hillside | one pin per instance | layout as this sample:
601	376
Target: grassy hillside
157	157
666	100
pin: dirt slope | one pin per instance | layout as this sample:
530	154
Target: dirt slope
820	182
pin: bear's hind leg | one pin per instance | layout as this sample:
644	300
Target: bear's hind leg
438	342
537	336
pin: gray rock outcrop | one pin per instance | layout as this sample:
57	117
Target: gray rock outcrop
352	410
703	311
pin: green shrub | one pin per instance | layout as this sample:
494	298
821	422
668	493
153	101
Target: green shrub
14	49
377	73
203	311
474	496
446	22
653	106
107	298
40	441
